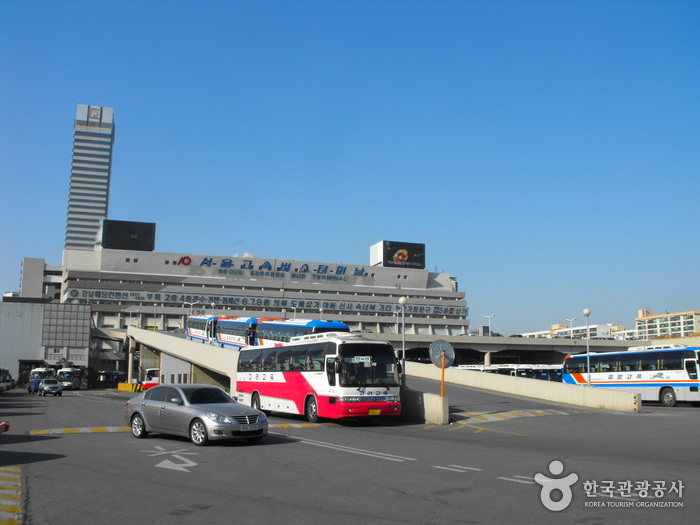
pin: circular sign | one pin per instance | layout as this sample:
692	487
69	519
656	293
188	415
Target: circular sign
436	351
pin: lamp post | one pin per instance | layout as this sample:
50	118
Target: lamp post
571	327
489	318
402	302
320	311
191	307
586	313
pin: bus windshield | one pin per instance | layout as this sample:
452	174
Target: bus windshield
367	365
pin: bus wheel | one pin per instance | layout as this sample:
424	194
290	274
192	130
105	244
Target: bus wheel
255	403
312	410
668	397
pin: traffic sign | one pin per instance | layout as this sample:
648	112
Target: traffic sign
437	348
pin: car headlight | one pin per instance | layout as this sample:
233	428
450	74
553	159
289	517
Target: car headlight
218	418
262	417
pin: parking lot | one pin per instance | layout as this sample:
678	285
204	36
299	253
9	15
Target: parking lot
74	452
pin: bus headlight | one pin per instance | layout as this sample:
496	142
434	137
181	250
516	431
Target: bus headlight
350	399
392	399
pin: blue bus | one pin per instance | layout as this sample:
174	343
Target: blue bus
667	374
271	330
254	331
202	328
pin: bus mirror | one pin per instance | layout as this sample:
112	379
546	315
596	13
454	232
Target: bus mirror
338	366
399	367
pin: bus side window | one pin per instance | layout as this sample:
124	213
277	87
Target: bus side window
330	370
268	360
244	362
298	360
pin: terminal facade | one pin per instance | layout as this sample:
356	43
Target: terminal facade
157	291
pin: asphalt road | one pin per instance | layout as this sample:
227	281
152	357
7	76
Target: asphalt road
69	460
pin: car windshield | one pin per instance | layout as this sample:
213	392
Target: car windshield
206	396
50	382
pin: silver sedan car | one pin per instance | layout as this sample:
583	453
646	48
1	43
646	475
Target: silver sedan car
200	412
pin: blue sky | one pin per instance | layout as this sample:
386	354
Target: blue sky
547	153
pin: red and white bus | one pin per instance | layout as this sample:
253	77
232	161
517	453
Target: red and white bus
330	375
151	378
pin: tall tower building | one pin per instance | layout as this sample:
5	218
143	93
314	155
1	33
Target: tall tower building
91	167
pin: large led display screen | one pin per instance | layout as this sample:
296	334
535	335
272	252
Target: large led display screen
125	235
403	255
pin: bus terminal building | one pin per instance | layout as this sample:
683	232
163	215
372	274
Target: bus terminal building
157	291
118	288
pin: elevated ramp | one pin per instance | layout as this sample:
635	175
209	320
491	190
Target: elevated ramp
223	361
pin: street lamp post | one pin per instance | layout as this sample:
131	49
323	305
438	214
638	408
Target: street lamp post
586	313
320	311
489	318
402	302
571	327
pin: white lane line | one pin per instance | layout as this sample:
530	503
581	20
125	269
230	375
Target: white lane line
518	480
342	448
458	468
466	468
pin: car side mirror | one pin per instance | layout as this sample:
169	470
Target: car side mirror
176	400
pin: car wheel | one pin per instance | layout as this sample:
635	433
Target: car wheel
138	427
198	433
312	410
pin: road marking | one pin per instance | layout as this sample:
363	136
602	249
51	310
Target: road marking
488	417
182	467
518	480
352	450
458	468
482	429
103	430
178	454
11	495
81	430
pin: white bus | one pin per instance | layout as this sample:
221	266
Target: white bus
329	375
659	373
71	378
